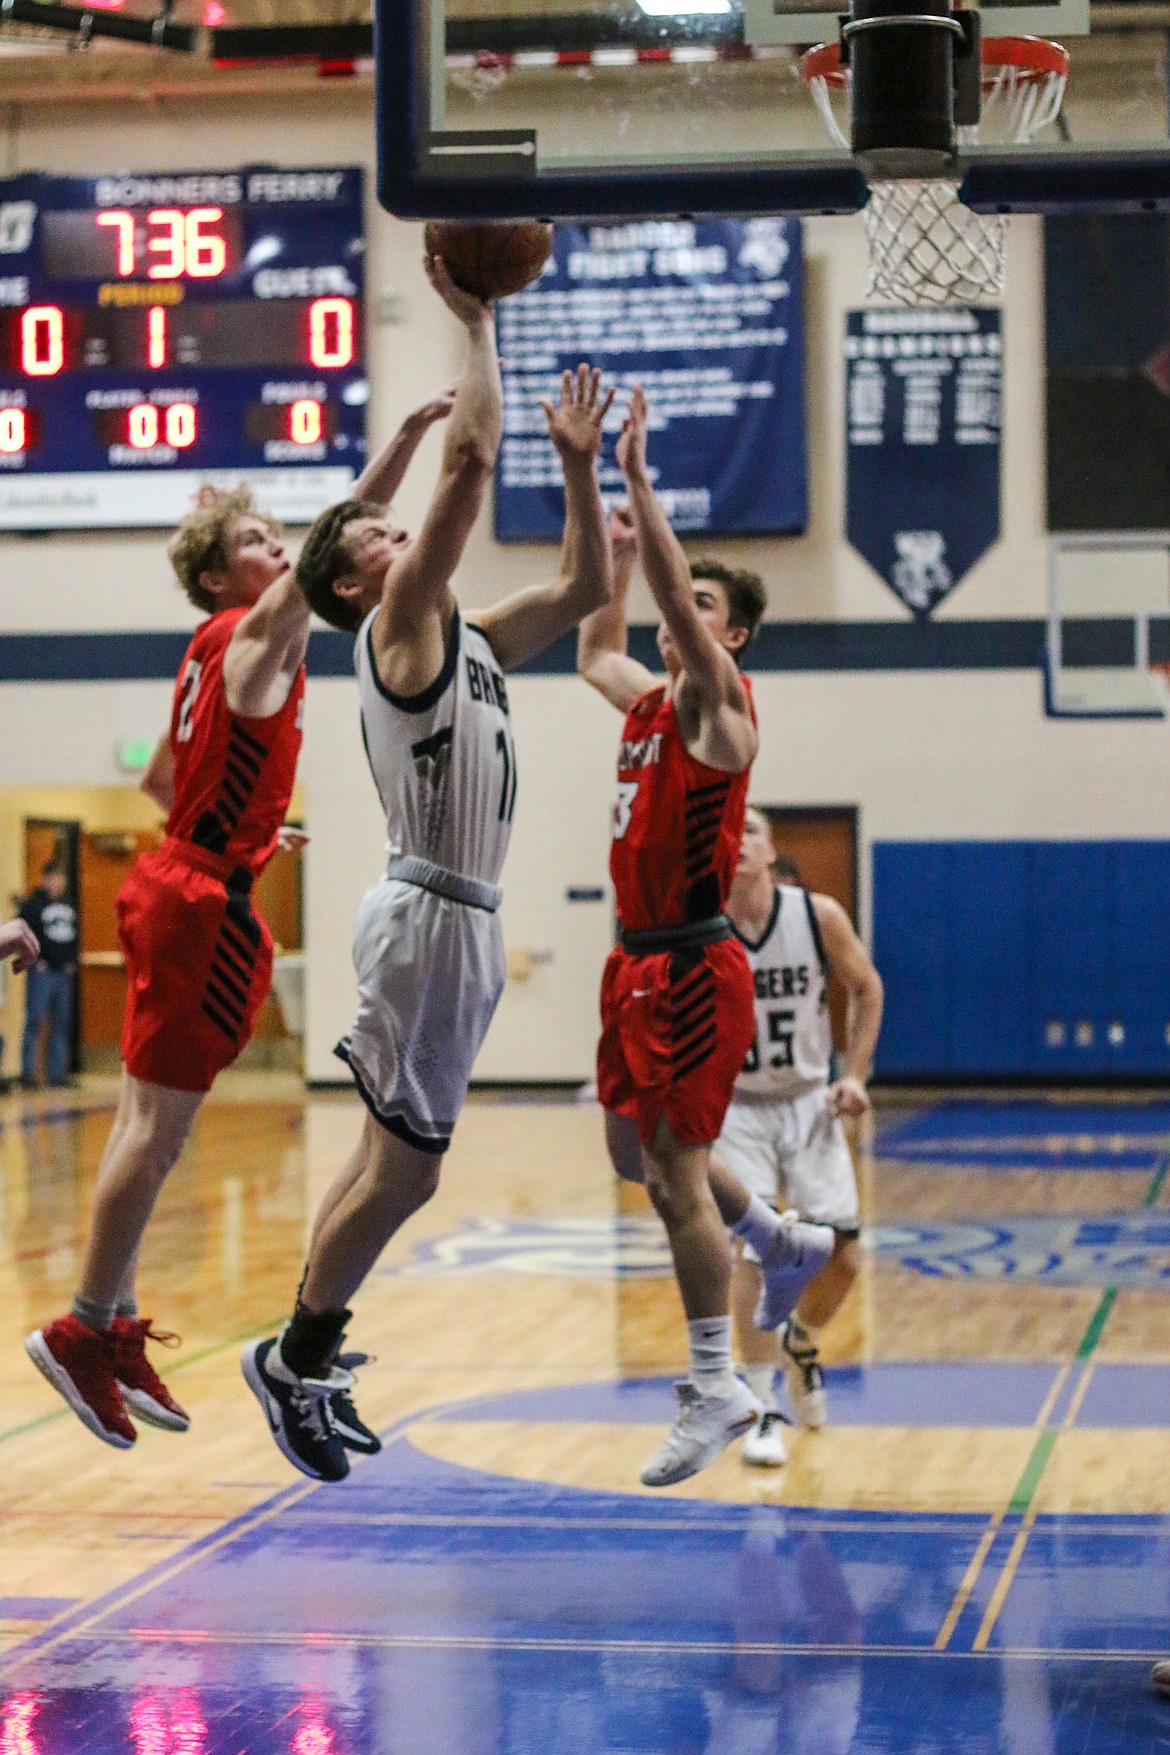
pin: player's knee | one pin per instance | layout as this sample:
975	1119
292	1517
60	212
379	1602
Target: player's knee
152	1145
672	1199
846	1260
416	1177
625	1150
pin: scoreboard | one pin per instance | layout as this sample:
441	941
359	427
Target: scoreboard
162	330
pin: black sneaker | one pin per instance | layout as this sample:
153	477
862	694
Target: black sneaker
298	1411
347	1422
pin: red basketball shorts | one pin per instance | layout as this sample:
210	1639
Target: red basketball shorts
199	966
676	1029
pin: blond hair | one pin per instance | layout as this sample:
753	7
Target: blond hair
202	543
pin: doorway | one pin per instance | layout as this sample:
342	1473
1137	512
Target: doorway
56	841
821	841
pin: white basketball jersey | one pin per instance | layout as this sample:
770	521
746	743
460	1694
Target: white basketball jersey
443	760
793	1048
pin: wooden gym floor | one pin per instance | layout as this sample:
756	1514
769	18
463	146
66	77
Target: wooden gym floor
974	1553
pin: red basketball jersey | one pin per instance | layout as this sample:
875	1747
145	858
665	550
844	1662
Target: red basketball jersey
677	824
233	776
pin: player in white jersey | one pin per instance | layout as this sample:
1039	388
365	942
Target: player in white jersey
427	947
782	1134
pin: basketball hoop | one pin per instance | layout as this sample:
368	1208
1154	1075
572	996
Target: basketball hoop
925	247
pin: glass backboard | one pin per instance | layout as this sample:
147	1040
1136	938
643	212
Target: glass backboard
578	108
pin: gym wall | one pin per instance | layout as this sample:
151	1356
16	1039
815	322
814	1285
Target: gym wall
926	754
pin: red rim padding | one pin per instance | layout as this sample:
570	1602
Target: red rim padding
1033	58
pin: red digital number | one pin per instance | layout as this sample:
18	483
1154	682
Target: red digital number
184	245
167	244
330	332
142	426
304	421
124	223
206	251
156	336
42	341
179	425
176	427
13	431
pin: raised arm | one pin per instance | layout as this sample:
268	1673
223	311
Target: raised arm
853	967
266	650
602	657
158	782
531	620
709	668
419	584
383	475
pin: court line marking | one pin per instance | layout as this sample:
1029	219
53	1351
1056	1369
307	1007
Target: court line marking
1023	1499
545	1643
1003	1584
801	1521
971	1577
90	1614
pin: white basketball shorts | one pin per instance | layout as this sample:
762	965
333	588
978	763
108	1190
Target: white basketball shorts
793	1154
430	973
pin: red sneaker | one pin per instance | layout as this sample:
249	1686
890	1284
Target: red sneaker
79	1363
143	1390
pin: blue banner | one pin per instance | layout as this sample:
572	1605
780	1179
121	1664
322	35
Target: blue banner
922	395
707	316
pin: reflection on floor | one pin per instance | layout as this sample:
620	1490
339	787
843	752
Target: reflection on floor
974	1555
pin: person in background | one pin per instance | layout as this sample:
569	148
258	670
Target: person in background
52	979
782	1134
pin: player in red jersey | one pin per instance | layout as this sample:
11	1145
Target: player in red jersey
677	1007
198	956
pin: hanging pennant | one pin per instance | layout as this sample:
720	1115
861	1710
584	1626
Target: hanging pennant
923	392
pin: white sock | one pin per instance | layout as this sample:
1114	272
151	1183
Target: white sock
710	1340
758	1226
761	1380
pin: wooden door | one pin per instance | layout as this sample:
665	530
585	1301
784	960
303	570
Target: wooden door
47	840
106	859
822	843
52	840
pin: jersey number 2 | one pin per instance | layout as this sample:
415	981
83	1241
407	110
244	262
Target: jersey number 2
188	689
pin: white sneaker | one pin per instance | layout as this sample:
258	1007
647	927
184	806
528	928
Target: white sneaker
798	1253
764	1446
806	1381
704	1426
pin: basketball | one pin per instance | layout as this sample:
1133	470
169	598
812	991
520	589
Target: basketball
491	258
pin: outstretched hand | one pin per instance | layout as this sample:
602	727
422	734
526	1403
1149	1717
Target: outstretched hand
19	941
290	839
574	426
464	305
436	407
631	447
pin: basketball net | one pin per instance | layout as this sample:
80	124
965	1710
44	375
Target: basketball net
925	246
